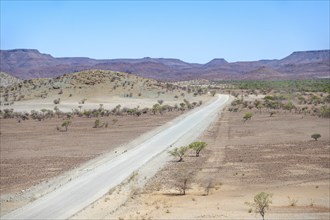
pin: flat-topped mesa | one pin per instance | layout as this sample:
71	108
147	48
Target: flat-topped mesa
301	57
23	50
30	63
17	57
216	62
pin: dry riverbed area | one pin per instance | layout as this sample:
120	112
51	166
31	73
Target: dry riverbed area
265	154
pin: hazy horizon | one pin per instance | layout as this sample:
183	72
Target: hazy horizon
192	31
175	58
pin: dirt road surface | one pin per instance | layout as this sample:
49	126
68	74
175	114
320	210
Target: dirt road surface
80	192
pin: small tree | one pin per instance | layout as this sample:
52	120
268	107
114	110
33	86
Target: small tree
57	101
182	180
43	111
182	105
197	146
179	152
289	106
208	187
247	116
97	123
83	101
155	108
261	203
66	124
57	111
315	136
325	112
182	186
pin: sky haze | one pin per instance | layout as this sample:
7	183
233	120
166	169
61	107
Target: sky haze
193	31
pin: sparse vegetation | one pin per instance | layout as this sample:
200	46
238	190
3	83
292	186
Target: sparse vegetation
114	121
208	187
315	136
261	203
179	152
292	201
66	124
83	101
182	185
247	116
316	85
99	124
294	96
325	111
261	103
213	93
57	101
197	146
156	108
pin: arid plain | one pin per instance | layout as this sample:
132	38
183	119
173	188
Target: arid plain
270	151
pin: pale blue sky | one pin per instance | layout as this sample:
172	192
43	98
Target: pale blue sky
194	31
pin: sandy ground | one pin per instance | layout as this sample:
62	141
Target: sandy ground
271	154
94	87
109	102
34	152
135	184
36	158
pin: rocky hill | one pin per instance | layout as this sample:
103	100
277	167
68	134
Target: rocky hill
7	79
29	63
94	85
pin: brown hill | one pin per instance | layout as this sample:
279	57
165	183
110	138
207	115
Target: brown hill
27	64
93	87
264	73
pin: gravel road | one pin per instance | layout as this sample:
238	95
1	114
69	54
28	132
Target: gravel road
87	188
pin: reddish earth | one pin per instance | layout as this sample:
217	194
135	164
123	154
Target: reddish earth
275	155
33	151
272	154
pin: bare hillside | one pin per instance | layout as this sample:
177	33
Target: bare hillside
7	79
94	87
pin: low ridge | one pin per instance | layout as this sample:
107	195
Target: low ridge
30	63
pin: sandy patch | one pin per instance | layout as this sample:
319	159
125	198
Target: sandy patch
33	153
275	155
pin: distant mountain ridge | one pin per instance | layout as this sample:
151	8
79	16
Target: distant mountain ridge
307	57
30	63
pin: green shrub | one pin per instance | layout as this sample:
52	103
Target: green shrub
247	116
179	152
197	146
315	136
261	203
